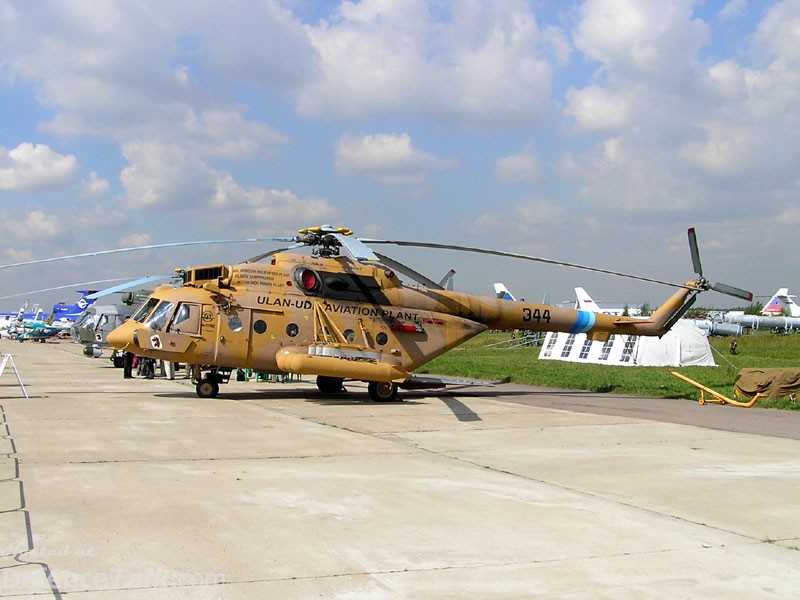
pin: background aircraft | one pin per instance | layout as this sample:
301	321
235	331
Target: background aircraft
61	311
781	304
585	302
100	319
780	313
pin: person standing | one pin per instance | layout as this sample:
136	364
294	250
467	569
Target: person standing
127	365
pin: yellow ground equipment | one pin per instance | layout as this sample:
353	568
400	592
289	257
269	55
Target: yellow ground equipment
717	397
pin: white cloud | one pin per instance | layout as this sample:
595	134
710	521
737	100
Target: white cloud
35	226
733	9
517	168
95	186
165	175
473	63
779	32
686	136
390	158
598	109
265	211
96	75
517	222
136	239
226	134
35	167
655	40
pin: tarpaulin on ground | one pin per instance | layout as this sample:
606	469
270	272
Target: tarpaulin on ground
775	383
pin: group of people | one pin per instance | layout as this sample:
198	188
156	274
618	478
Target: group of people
146	367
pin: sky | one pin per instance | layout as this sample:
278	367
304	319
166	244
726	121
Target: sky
594	132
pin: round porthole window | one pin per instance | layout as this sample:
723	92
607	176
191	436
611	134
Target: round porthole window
292	329
349	335
235	323
260	326
381	338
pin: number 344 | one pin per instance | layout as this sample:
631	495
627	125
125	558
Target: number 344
535	315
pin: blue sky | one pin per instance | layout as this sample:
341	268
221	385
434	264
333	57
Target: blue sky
594	132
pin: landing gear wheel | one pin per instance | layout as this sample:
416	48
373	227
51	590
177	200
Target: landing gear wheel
329	385
382	391
207	388
119	361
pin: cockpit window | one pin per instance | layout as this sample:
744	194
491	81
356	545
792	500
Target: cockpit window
87	320
186	319
145	309
159	316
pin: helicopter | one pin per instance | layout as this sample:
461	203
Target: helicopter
343	313
100	319
97	320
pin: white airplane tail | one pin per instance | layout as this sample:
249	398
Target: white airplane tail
781	303
502	292
585	301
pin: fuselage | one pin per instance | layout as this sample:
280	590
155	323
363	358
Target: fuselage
336	317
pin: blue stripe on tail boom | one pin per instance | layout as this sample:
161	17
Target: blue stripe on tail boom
584	322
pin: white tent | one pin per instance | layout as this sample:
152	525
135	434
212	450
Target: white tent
683	345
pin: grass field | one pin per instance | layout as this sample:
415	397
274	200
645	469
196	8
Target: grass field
522	365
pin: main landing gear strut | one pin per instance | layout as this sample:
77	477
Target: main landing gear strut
208	386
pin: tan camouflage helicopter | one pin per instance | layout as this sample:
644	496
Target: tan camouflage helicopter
342	313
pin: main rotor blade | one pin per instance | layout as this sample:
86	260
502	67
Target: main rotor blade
695	251
63	287
356	248
126	285
408	271
723	288
147	247
523	257
264	255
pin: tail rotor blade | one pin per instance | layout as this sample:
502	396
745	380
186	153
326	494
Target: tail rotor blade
729	290
698	268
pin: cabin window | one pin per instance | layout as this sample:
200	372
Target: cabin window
145	309
186	319
159	317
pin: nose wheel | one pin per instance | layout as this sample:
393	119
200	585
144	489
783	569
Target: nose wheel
382	391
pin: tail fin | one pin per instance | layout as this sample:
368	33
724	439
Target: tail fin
585	301
447	281
781	303
502	292
71	312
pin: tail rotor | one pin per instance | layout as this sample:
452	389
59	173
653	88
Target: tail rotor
722	288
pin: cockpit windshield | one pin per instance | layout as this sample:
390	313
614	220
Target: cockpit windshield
159	316
87	320
145	309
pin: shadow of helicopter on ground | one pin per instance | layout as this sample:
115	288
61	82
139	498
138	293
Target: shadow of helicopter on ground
449	397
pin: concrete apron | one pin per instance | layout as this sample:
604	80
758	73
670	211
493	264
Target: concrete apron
113	488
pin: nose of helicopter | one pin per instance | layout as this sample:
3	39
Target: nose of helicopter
120	338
